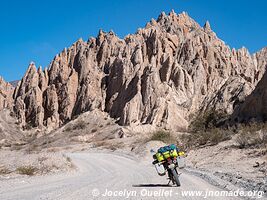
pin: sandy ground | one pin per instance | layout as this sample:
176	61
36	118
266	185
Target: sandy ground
43	163
244	168
98	172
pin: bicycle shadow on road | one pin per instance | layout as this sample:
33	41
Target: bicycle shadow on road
152	185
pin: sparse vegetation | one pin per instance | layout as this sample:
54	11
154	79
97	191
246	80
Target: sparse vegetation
68	159
68	129
52	150
4	170
203	138
32	148
42	159
79	125
208	120
27	170
163	136
252	135
206	129
109	145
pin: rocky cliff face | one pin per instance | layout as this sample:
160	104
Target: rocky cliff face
6	91
160	75
255	106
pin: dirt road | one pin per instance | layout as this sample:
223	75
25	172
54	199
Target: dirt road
104	176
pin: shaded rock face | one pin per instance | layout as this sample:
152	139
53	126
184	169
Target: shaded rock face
255	106
6	92
160	75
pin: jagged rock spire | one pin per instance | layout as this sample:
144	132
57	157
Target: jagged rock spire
207	27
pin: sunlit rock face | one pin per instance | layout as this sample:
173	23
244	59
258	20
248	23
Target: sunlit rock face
164	73
6	92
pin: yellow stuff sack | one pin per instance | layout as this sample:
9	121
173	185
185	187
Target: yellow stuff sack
181	153
159	157
173	153
166	154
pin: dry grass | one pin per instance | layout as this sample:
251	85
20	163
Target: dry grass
42	159
109	145
32	148
27	170
79	125
4	171
257	139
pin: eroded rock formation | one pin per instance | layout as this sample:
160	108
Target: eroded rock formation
160	75
255	106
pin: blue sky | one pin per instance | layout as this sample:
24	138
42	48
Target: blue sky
38	30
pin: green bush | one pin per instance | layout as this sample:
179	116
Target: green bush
208	120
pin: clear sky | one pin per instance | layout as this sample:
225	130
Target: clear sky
38	30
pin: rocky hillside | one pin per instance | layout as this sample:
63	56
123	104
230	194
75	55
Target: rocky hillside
162	75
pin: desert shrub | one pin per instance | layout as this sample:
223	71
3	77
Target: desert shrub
32	148
30	138
210	137
68	159
208	120
27	170
248	139
219	135
27	127
15	148
94	130
4	170
79	125
163	136
109	145
115	146
100	144
205	130
42	159
68	129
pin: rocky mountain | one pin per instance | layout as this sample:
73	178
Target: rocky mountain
162	75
